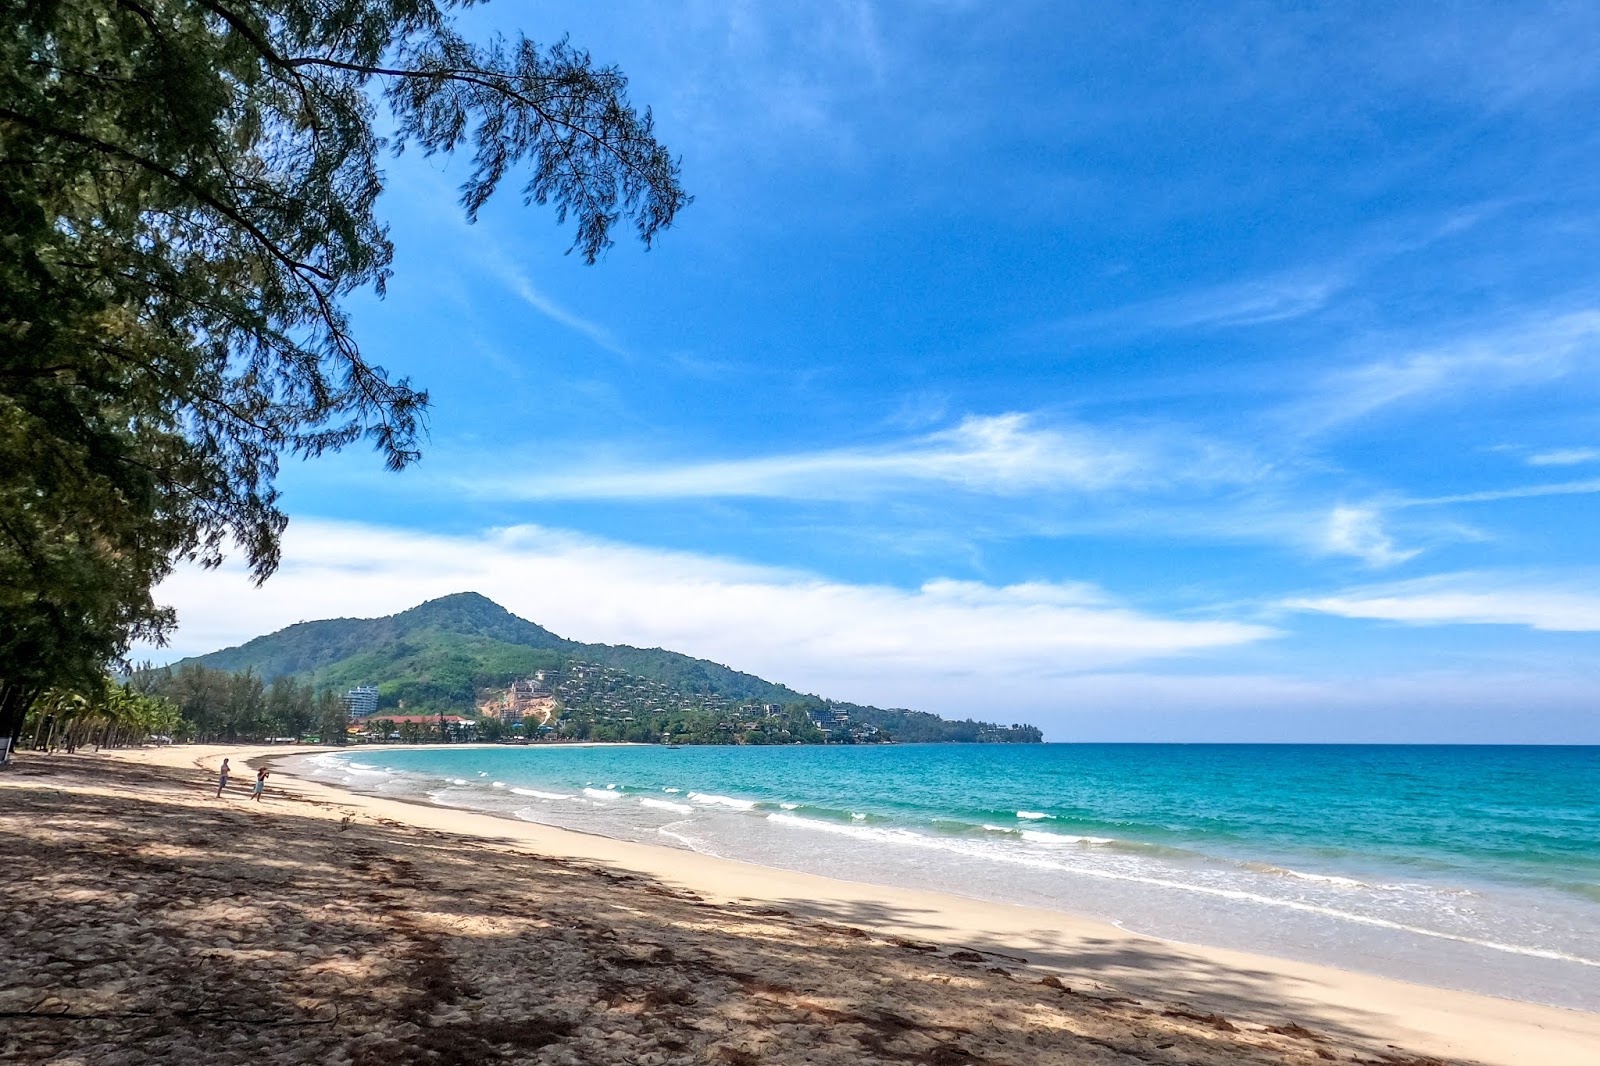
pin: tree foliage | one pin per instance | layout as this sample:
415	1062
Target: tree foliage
221	706
187	196
107	713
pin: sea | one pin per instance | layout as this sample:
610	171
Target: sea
1464	867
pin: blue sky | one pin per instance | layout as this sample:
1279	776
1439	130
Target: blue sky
1143	372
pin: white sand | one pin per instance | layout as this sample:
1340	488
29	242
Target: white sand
1374	1012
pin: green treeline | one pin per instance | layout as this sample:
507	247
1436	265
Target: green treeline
216	706
104	714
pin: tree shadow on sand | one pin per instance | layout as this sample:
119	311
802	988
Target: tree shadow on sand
160	925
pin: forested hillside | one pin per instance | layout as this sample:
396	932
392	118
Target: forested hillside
443	655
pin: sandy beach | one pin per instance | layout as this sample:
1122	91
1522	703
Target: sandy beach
147	921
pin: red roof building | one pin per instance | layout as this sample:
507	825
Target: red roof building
420	719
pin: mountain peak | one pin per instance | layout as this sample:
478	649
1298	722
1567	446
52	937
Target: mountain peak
476	614
458	601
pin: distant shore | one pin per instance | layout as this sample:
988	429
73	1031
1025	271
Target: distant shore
1288	1010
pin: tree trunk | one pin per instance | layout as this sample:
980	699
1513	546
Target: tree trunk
14	704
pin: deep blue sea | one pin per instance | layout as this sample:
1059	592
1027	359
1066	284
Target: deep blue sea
1467	867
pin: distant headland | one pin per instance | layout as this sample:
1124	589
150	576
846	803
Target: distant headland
462	667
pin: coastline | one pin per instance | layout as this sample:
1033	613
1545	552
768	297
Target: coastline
1375	1012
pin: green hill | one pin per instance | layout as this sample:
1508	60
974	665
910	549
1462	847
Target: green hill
443	654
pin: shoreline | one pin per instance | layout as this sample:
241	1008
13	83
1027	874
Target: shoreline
1270	991
1494	936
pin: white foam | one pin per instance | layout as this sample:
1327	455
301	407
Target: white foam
692	845
1061	838
790	806
672	790
458	780
1021	857
711	799
666	805
857	817
1033	816
860	832
535	793
1298	875
599	793
498	784
1002	829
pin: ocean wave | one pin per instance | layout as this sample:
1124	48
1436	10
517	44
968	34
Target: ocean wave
1299	875
458	780
790	806
1033	816
672	790
536	794
1059	839
860	832
692	845
666	805
711	799
497	784
1042	860
600	793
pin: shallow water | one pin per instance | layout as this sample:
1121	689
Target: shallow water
1465	867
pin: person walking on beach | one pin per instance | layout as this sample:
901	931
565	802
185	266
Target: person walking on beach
222	778
261	784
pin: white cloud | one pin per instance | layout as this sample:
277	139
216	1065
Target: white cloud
1565	457
1358	531
1520	492
518	283
1252	303
1004	455
1571	605
1544	352
944	646
481	250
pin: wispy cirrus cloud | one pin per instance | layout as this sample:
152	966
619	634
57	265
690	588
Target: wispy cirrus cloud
1001	455
859	641
514	279
1530	354
1569	604
1252	302
1516	492
483	252
1565	457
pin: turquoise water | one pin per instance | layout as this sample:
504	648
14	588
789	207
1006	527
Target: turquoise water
1473	867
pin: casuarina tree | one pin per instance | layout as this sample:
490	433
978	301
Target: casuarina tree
187	198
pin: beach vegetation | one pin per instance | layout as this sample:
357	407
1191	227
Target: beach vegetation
106	715
189	199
